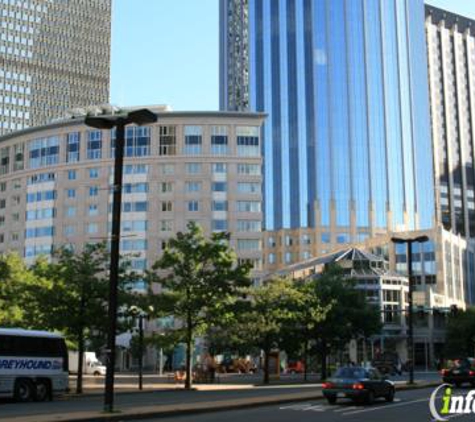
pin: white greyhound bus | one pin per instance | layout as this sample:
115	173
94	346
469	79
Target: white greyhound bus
33	364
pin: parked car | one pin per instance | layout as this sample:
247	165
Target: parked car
359	384
460	371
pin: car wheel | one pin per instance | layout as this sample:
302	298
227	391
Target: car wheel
390	396
331	399
24	391
370	397
97	373
42	392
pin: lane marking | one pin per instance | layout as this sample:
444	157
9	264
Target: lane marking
383	407
295	406
317	408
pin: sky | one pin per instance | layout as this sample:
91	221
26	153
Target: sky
166	51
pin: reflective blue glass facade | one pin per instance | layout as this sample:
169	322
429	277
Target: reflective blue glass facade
347	141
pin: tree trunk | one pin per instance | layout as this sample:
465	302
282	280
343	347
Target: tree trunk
80	360
305	358
266	365
189	345
323	358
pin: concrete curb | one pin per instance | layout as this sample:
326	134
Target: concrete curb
199	408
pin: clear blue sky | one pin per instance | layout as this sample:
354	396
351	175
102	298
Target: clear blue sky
166	51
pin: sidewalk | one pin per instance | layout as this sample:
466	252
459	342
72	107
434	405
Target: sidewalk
183	405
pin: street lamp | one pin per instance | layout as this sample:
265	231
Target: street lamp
410	241
119	121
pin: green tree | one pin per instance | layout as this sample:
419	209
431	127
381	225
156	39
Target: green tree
17	285
75	300
460	337
199	279
349	314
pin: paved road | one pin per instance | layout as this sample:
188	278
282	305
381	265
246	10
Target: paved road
409	406
124	401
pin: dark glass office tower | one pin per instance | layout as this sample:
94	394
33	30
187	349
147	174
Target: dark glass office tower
347	143
451	58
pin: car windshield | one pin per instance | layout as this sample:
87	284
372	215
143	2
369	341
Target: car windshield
350	373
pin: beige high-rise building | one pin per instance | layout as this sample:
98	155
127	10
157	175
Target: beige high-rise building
54	56
55	184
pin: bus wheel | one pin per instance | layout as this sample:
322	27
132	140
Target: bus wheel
24	390
43	392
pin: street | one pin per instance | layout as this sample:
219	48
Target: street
409	406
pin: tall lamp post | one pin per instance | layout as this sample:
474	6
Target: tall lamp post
119	121
410	241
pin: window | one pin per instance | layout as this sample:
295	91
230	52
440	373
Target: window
135	187
247	139
134	226
166	225
93	173
248	245
133	245
342	238
167	169
220	206
167	206
137	141
71	174
249	169
249	187
93	210
139	206
71	211
134	169
248	226
271	258
3	203
248	206
47	195
167	140
219	225
193	168
219	187
4	160
219	140
92	228
16	200
41	178
72	147
2	220
69	230
19	151
193	140
43	152
34	232
193	206
94	145
166	187
3	186
192	186
325	238
219	168
93	191
71	193
16	217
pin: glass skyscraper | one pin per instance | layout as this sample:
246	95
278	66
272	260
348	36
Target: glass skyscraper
347	142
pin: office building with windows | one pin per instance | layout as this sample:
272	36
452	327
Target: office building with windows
347	151
55	184
451	64
54	56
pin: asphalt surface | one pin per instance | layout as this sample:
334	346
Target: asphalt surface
408	406
124	401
